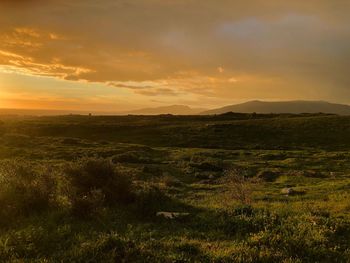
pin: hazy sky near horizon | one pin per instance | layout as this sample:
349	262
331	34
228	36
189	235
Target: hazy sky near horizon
115	55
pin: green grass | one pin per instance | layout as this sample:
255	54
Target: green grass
175	164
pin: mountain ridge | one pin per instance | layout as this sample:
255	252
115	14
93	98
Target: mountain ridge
294	107
257	106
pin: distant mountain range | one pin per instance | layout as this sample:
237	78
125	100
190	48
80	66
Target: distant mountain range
295	107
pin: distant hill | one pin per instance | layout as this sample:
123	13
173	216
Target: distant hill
173	109
295	107
263	107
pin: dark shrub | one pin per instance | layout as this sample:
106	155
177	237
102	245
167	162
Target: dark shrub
243	210
2	128
150	199
267	175
25	189
207	164
152	169
131	157
188	249
17	140
314	174
87	205
96	181
171	181
273	156
71	141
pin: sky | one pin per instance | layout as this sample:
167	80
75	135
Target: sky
118	55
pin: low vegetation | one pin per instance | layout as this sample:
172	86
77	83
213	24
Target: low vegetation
69	196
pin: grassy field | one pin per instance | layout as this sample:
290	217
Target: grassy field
258	188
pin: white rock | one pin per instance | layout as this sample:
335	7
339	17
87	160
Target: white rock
171	215
287	191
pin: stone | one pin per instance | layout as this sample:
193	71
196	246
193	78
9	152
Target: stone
172	215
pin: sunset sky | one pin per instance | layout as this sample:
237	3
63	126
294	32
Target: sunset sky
117	55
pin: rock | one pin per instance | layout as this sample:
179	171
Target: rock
172	215
291	191
287	191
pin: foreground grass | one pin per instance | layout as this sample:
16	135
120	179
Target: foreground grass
221	237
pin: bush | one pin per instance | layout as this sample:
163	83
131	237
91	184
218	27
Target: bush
239	187
152	169
71	141
88	205
171	181
2	128
268	175
207	164
17	140
273	156
150	199
132	157
94	181
24	188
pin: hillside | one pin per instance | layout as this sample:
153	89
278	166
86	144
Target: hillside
294	107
